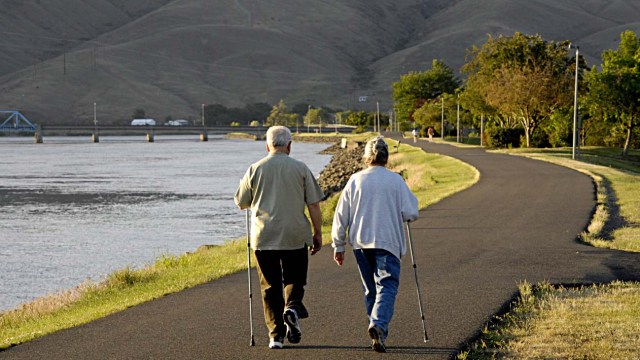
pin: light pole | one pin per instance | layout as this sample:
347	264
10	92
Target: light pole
95	137
575	105
442	120
482	130
378	115
204	136
308	117
458	115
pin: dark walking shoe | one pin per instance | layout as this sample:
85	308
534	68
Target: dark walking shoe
377	339
293	326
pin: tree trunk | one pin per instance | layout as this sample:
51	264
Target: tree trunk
627	143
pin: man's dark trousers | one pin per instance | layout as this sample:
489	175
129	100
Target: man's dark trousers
280	269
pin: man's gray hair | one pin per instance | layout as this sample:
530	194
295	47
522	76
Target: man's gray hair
278	136
376	152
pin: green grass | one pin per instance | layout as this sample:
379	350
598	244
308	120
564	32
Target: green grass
429	174
588	322
120	290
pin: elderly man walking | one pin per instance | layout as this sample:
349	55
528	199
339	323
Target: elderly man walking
277	188
371	213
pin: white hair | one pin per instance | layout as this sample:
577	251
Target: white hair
278	136
376	152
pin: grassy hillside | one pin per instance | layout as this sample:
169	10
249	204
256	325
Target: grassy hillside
169	57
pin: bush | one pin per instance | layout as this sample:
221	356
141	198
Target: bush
503	137
360	130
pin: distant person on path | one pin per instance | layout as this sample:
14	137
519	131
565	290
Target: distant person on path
430	132
277	188
371	213
414	132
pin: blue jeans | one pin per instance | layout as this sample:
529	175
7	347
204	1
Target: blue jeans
380	274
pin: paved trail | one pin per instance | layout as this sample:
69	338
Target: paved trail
519	222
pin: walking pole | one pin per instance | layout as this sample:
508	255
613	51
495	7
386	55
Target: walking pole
253	343
415	272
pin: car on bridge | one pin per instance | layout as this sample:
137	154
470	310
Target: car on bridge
143	122
179	122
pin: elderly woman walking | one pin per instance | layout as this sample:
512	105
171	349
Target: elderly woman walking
371	213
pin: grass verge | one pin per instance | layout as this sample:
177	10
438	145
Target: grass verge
587	322
129	287
547	322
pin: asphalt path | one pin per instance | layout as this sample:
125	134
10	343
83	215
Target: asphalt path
520	222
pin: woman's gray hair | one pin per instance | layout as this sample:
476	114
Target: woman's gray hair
376	152
278	136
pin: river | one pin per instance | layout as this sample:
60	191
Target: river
72	210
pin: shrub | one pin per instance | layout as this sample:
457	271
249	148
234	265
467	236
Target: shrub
503	137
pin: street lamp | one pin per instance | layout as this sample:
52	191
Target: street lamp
95	137
458	117
442	119
575	104
308	117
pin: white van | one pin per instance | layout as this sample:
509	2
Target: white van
179	122
143	122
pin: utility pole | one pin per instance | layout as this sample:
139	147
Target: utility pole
378	115
482	130
96	137
574	151
442	120
204	136
458	132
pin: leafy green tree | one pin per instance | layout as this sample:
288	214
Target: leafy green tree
315	116
359	118
615	91
522	77
416	88
281	116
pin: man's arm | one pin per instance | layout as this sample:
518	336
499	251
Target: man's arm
243	196
316	221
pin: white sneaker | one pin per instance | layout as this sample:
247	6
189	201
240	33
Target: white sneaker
276	343
293	326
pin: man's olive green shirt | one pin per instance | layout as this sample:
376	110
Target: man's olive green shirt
277	189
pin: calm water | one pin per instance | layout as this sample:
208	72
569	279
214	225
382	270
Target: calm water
72	210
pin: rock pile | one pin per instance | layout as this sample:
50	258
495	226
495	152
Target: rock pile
343	164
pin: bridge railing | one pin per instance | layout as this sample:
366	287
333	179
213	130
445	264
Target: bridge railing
16	122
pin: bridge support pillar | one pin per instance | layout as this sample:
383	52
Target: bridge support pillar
37	137
150	137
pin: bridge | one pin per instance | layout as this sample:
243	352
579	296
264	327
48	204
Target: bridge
16	122
150	131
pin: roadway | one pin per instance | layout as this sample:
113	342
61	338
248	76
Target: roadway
519	222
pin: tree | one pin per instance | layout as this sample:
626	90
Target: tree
280	115
522	77
359	118
615	91
416	88
314	116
